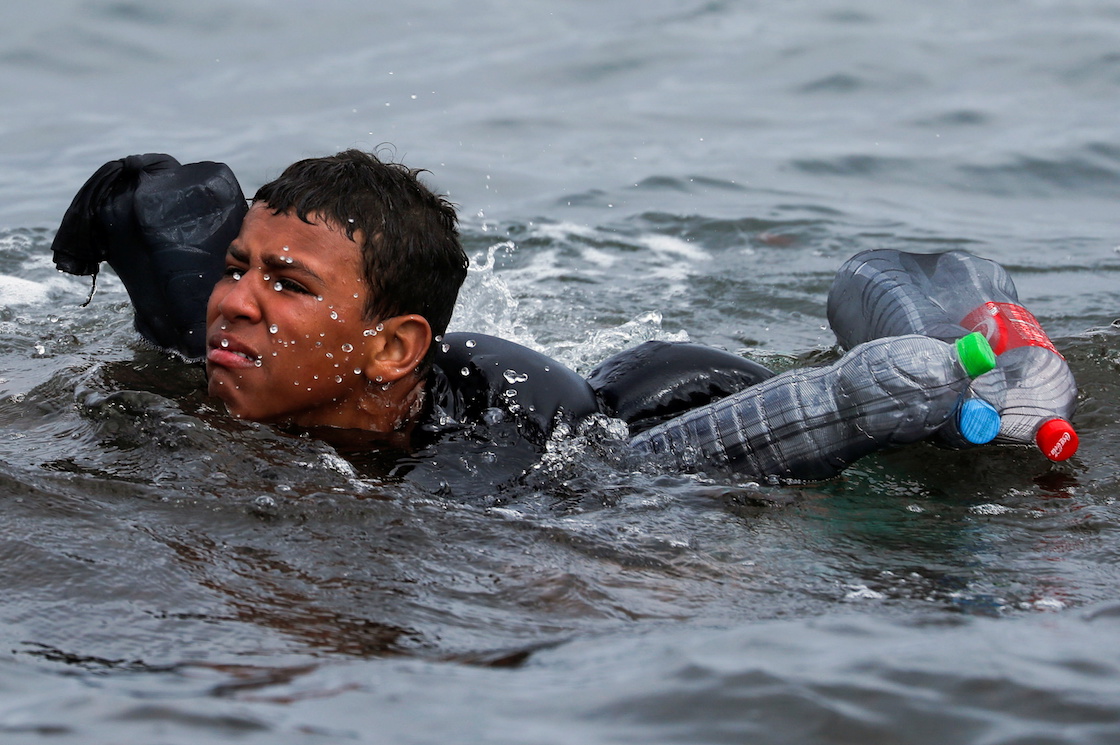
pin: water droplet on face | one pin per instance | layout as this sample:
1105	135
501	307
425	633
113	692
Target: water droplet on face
380	327
439	338
330	356
348	348
285	248
357	371
334	315
258	363
267	277
378	379
236	276
319	298
338	378
369	332
225	343
273	329
278	287
471	343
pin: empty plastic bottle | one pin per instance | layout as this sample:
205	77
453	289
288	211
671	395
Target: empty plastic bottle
812	423
885	293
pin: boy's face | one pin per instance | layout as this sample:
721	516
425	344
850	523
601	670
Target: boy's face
286	337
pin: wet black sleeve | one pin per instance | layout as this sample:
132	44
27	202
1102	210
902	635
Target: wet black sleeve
657	380
486	373
164	228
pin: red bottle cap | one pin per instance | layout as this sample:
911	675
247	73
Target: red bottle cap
1056	439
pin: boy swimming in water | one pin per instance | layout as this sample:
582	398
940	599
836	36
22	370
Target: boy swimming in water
323	307
327	301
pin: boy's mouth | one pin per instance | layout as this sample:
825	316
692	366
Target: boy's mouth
226	352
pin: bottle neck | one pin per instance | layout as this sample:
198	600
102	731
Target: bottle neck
1007	326
975	354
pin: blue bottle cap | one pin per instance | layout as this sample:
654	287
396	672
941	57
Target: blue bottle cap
978	421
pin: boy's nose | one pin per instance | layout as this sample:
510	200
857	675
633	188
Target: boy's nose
240	299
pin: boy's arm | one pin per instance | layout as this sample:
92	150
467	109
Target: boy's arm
655	381
164	228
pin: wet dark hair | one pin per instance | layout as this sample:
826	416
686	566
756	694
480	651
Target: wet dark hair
412	258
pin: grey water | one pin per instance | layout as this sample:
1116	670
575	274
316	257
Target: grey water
692	169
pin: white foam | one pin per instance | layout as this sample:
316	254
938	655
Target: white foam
16	291
1048	603
989	509
856	593
487	304
598	258
559	231
669	244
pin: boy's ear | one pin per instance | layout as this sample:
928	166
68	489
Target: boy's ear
401	344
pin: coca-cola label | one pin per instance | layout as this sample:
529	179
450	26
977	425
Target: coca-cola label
1006	326
1055	452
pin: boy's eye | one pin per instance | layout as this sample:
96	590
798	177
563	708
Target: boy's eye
290	285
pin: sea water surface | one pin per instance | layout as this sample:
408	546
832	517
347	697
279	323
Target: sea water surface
692	169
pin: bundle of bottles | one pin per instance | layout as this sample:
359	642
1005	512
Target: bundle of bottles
938	347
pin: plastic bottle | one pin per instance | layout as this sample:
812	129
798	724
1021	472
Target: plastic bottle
812	423
886	292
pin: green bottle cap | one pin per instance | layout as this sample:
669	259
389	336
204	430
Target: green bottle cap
975	354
